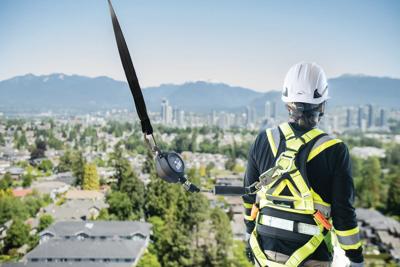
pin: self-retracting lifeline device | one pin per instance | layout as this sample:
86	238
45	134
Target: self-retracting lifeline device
170	166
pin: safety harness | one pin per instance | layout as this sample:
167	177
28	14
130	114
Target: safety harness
288	207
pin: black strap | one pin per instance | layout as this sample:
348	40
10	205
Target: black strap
130	74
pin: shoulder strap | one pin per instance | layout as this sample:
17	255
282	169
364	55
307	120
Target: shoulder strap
274	139
321	144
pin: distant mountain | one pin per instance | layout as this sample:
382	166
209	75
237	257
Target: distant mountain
60	91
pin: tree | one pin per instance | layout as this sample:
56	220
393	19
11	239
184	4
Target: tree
393	200
46	165
45	221
39	149
148	260
369	189
17	235
132	186
119	205
6	182
90	178
223	236
239	256
66	162
12	208
2	140
78	166
27	180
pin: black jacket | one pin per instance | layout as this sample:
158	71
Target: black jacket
329	175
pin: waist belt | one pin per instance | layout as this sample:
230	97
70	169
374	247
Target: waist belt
289	225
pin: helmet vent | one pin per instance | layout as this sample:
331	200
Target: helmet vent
285	92
316	94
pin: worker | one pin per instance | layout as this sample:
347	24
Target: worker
307	200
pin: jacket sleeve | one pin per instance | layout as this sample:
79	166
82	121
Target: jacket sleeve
251	176
343	212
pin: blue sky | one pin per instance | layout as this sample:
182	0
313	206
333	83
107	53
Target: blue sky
246	43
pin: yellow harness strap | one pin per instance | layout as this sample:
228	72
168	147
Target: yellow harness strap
303	197
294	260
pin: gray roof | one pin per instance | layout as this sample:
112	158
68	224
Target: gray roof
378	221
88	249
74	209
67	264
98	228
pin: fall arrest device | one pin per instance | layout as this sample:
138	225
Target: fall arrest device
169	165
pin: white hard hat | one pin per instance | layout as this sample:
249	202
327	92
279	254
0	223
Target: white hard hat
306	83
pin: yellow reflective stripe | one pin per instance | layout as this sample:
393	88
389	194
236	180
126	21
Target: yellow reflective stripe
348	247
248	217
310	135
350	232
247	205
286	130
322	147
271	141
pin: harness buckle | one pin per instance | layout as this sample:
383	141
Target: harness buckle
284	163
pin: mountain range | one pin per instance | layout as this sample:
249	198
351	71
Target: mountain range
73	92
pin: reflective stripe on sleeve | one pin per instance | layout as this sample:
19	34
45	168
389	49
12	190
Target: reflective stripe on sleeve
349	239
247	205
248	217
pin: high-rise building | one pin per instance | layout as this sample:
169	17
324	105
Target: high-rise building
166	112
267	110
273	110
349	117
250	116
181	119
371	116
360	117
382	118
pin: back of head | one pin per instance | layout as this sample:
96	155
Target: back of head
305	92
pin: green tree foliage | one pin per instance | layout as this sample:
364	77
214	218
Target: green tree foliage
393	200
45	221
369	186
182	142
223	236
27	180
78	167
54	142
45	165
128	182
20	140
239	256
17	235
66	162
119	205
11	208
6	182
39	149
148	260
90	178
132	186
2	140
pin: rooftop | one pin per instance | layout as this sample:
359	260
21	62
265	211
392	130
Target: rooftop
98	228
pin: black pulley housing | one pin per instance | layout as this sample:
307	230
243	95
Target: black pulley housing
170	167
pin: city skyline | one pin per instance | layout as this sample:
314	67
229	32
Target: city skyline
249	45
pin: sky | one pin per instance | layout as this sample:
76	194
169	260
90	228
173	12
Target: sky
243	43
